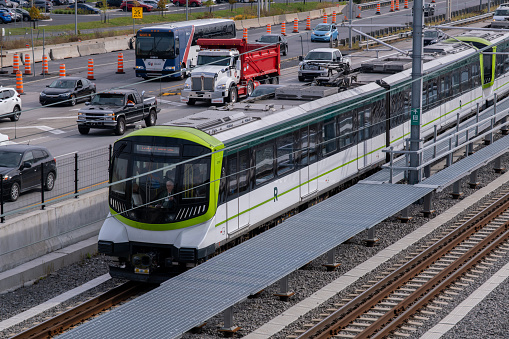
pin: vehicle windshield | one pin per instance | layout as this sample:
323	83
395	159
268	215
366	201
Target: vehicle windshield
322	28
319	56
164	192
160	44
431	34
216	60
63	84
108	99
10	158
502	12
269	39
263	90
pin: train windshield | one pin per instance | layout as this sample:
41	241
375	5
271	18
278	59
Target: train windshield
160	189
161	45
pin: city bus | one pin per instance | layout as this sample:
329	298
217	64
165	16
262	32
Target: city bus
171	50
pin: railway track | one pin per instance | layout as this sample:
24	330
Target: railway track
418	286
80	313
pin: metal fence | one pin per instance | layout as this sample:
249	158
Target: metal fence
77	173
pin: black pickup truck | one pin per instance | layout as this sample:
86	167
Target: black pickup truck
115	109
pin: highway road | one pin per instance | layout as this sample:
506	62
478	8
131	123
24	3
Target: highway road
55	126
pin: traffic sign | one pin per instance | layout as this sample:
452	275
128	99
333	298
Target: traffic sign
137	12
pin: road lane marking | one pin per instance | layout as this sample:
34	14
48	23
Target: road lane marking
173	103
53	118
42	128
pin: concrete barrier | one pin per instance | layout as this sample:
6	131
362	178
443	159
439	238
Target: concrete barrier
302	16
35	57
251	23
114	44
37	233
315	14
91	48
266	21
7	58
64	52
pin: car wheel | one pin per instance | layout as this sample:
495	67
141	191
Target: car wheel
14	192
15	114
176	3
301	79
193	4
49	183
250	88
120	128
151	119
91	95
232	94
191	101
72	100
285	51
83	130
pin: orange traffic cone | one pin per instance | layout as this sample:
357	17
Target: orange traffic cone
269	29
45	69
392	5
378	9
62	70
120	68
324	18
295	25
19	82
334	17
359	15
406	4
28	65
283	28
308	24
15	64
90	75
244	34
397	5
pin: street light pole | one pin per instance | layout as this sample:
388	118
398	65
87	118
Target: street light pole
76	17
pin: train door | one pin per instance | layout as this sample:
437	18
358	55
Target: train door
232	195
307	161
243	188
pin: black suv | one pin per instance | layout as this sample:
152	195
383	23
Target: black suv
23	166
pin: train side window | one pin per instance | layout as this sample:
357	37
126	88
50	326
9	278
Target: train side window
264	167
329	137
232	175
364	118
243	171
487	65
303	147
345	131
465	79
408	103
378	113
285	154
313	141
455	82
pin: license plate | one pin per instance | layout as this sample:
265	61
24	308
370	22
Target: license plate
217	101
141	270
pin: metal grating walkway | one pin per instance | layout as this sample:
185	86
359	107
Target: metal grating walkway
204	291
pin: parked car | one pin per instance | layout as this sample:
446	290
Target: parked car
152	3
15	16
262	92
85	8
60	2
191	3
20	167
21	3
5	15
324	32
24	13
129	4
68	90
110	3
43	5
10	103
275	38
8	3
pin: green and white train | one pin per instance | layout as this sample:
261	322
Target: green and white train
184	192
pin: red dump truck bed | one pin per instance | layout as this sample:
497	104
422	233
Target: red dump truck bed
259	61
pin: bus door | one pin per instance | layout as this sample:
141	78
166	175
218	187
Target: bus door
307	161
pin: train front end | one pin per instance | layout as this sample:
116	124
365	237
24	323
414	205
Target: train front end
163	199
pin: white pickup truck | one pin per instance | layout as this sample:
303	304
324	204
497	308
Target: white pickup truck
316	61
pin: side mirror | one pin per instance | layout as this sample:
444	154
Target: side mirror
301	58
130	104
26	164
238	65
142	93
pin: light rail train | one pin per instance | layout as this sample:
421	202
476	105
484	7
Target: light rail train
184	192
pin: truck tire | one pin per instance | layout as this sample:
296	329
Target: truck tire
83	130
151	119
120	128
250	88
285	50
232	94
191	102
72	100
302	79
347	69
274	80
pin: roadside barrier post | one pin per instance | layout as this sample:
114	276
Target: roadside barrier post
90	75
19	83
15	64
120	69
324	18
28	65
378	9
295	25
406	4
45	69
308	23
62	70
269	29
283	28
244	34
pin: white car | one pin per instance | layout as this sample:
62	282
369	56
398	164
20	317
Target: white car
10	103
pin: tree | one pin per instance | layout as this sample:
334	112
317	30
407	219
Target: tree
34	13
232	3
161	4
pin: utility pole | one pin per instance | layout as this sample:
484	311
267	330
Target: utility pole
415	113
448	6
350	21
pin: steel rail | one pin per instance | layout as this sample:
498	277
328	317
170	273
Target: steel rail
339	319
61	322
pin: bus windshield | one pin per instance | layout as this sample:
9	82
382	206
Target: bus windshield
216	60
161	44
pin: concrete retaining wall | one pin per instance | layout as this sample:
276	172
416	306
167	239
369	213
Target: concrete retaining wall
64	52
92	48
37	233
